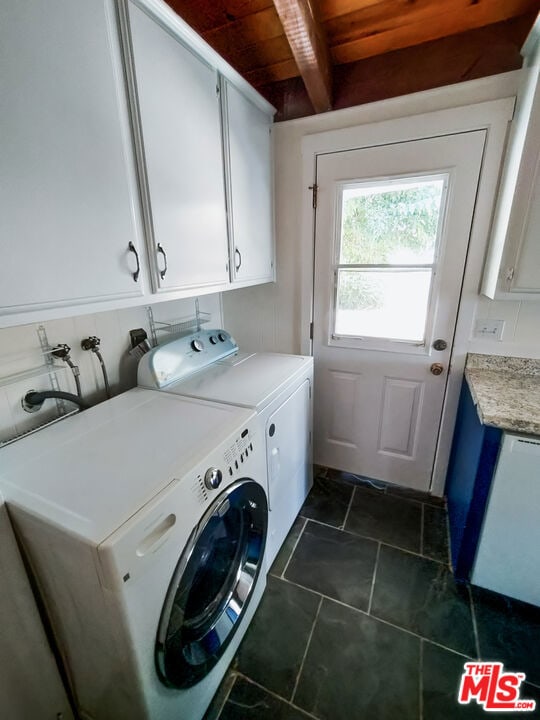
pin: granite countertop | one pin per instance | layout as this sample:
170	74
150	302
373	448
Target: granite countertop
506	391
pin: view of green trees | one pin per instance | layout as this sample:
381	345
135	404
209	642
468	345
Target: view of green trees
396	227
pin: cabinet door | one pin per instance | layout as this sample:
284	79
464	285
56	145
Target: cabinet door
181	135
512	268
67	206
248	149
507	557
522	267
474	453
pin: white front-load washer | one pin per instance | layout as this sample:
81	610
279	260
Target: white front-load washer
148	553
208	365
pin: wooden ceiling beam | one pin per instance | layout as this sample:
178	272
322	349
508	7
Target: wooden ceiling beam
307	39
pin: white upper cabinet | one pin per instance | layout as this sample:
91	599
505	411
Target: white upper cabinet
116	152
68	197
181	158
513	263
248	152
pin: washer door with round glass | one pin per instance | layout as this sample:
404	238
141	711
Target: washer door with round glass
212	585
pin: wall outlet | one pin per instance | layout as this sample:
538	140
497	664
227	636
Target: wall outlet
489	329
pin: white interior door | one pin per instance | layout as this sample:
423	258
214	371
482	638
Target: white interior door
392	231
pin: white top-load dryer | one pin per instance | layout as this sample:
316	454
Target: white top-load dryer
208	365
148	553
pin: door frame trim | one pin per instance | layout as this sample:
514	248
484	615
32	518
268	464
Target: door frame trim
494	116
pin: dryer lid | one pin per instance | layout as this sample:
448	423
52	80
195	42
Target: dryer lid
249	380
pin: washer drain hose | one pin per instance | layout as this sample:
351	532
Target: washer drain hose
37	398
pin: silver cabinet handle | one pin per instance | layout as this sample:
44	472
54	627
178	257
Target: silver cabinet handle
162	251
133	249
237	252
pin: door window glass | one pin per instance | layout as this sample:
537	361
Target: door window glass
389	234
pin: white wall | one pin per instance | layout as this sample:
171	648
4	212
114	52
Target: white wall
268	317
521	331
20	351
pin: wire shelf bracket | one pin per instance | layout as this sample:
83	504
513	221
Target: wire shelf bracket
178	326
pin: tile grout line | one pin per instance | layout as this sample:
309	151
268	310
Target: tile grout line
282	576
373	579
422	516
474	623
379	619
377	540
306	650
421	681
348	508
274	694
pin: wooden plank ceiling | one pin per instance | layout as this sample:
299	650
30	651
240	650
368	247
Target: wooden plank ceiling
273	43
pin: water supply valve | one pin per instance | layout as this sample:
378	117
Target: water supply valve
91	343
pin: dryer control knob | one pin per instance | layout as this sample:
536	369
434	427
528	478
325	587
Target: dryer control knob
197	345
213	478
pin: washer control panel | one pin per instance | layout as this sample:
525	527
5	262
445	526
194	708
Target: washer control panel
234	459
175	360
212	478
238	453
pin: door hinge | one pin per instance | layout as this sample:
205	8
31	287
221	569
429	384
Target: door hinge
311	331
509	274
314	189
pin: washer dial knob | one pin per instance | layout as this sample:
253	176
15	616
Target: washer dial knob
212	478
197	345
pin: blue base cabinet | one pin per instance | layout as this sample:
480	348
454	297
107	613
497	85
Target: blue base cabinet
472	463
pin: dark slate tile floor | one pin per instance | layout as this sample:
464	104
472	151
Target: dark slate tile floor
362	618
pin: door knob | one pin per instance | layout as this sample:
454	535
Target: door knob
440	345
436	368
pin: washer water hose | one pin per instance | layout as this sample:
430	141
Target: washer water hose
76	372
92	343
33	400
62	351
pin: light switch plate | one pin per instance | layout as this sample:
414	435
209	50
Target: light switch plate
489	329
